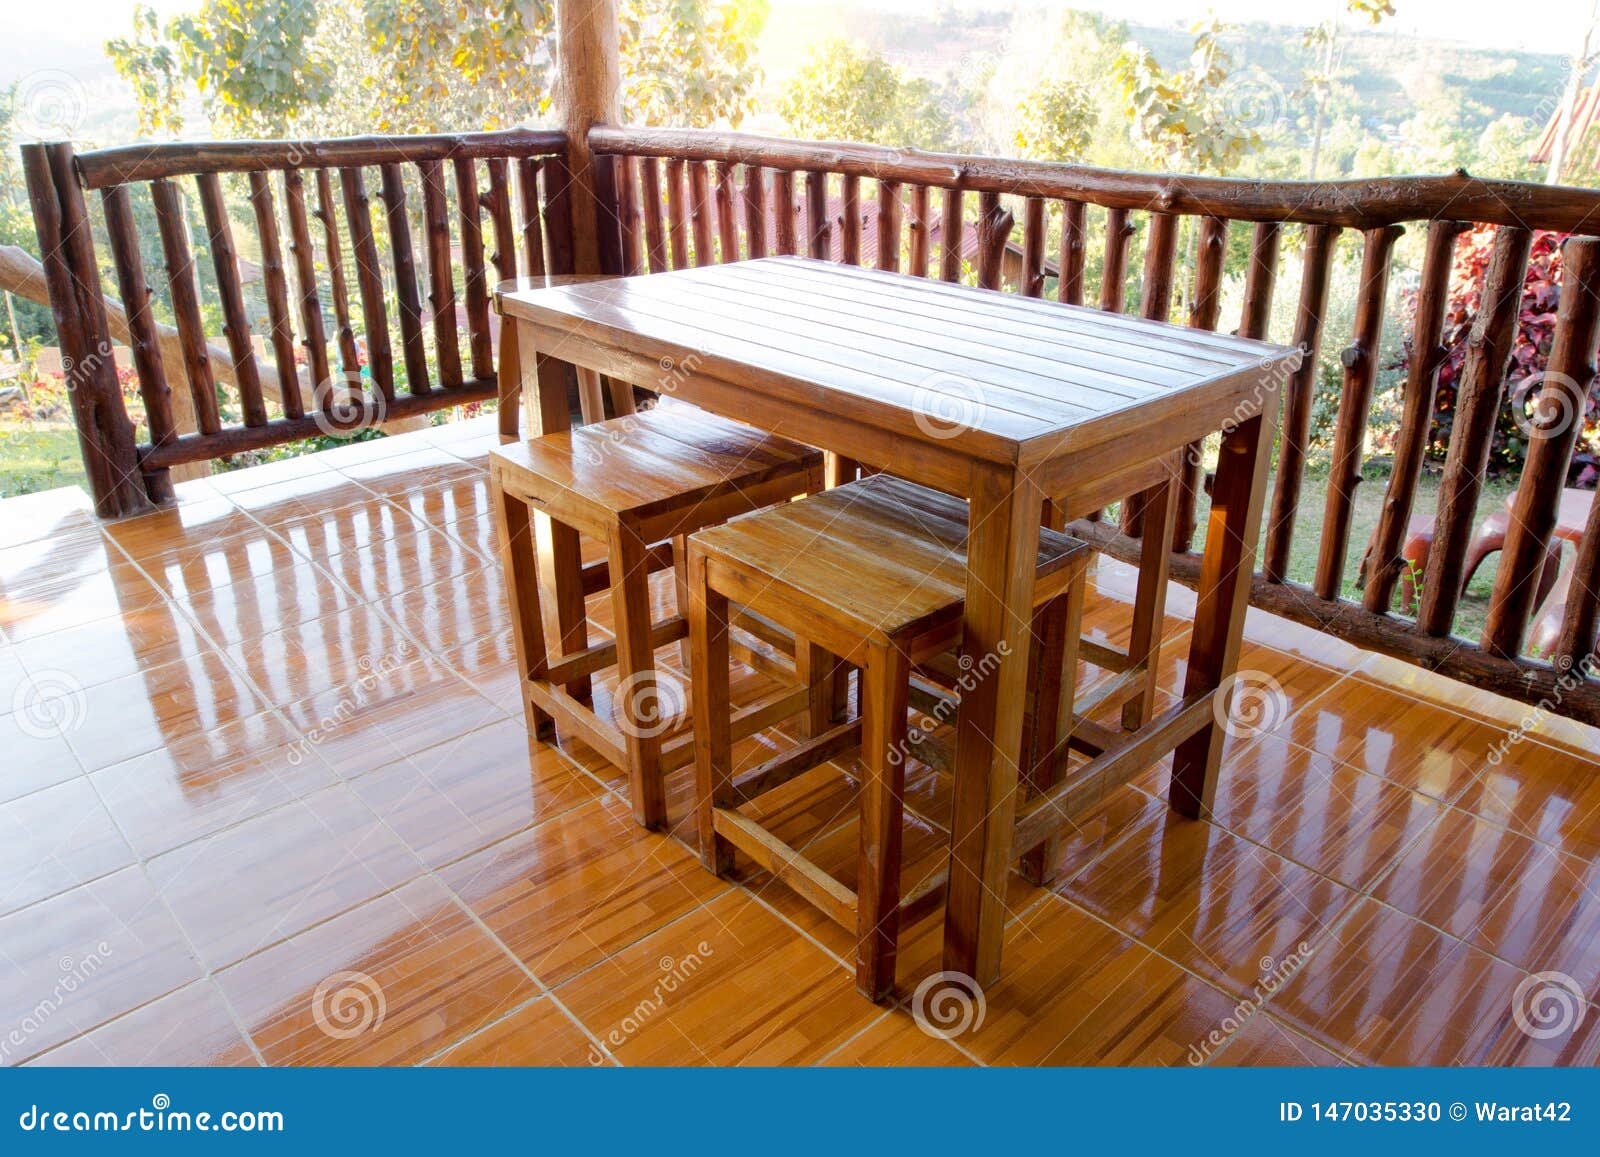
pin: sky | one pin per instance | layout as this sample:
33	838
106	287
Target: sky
68	34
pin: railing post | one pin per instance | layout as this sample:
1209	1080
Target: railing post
105	435
588	79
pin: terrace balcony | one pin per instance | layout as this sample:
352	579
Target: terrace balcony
270	797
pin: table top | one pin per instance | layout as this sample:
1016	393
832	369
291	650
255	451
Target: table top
997	375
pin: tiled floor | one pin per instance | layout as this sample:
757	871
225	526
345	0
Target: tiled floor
266	797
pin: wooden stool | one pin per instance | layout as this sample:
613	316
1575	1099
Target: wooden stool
872	574
639	484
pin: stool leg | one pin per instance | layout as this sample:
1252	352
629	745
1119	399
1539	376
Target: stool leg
644	695
561	571
519	557
1053	708
680	573
713	715
817	672
885	681
1150	601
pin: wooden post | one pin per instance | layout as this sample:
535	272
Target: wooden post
105	434
588	78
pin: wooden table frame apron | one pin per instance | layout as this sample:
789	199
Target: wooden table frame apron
1006	500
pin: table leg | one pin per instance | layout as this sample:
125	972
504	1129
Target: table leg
1002	563
508	375
515	531
1221	601
560	557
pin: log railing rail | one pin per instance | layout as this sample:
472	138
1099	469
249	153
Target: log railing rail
296	193
1160	242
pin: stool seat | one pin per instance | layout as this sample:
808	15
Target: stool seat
882	558
660	472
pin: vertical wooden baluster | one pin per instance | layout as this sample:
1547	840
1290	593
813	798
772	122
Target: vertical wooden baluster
1155	303
819	225
1478	396
1033	227
700	212
532	220
504	257
235	326
105	433
921	238
313	336
655	235
276	283
185	297
755	211
1360	359
1554	431
677	215
369	280
889	226
1115	272
727	221
146	346
994	230
1069	288
441	277
1575	644
477	290
951	226
1318	264
608	215
333	252
1204	310
628	219
1384	562
783	212
558	215
1260	278
408	297
850	220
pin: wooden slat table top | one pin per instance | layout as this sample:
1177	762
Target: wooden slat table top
996	375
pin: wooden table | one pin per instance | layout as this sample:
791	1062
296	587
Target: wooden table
1002	400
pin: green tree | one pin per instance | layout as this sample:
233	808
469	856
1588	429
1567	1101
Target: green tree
689	63
1181	119
843	93
148	61
1056	121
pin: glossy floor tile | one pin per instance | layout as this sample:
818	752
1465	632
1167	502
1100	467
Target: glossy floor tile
267	796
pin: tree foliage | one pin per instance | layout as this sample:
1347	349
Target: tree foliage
847	93
1056	121
1182	120
279	67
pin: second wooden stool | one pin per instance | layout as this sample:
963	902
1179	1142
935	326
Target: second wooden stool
874	574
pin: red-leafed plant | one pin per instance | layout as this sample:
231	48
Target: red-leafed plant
1529	355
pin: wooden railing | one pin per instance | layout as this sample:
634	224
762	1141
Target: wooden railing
357	370
676	198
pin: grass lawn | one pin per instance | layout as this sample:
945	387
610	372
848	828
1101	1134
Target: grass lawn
38	456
